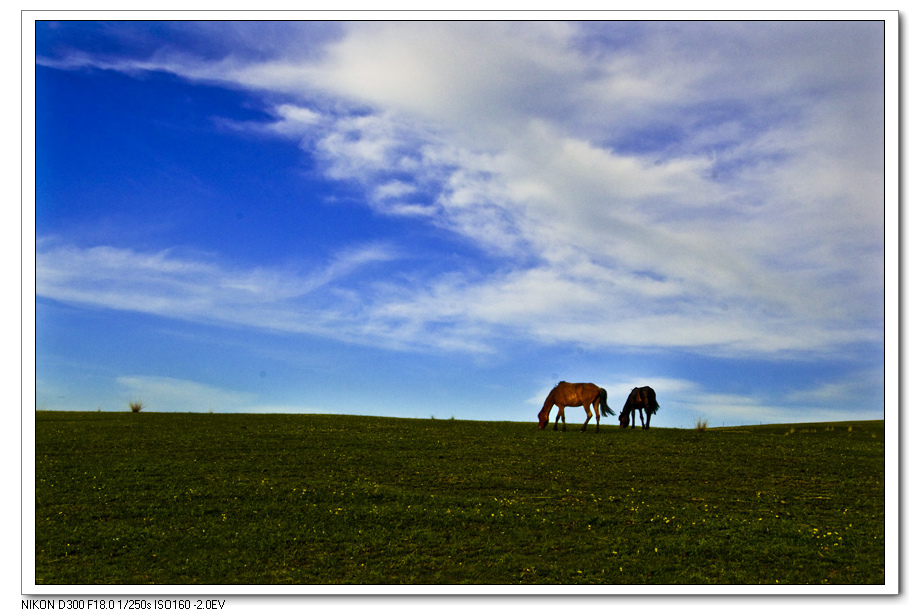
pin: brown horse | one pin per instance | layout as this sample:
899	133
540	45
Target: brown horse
581	394
640	398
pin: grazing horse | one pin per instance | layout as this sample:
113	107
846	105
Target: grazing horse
581	394
640	398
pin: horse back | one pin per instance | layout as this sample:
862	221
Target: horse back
575	394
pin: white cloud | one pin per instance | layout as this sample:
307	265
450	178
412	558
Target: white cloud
393	190
860	390
707	186
293	121
467	74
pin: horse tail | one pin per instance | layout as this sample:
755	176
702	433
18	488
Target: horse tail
605	409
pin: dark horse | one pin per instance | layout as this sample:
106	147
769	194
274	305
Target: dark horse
640	398
581	394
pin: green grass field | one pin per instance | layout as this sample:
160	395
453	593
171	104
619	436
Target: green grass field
151	498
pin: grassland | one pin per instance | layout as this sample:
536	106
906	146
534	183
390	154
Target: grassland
150	498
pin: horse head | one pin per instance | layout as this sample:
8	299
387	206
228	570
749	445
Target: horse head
624	419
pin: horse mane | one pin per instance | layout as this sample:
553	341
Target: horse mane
629	400
549	403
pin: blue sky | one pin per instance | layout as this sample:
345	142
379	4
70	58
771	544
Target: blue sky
445	219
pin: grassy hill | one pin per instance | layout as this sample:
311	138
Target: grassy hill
257	499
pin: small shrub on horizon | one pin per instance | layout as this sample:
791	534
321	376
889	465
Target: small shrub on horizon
702	424
136	406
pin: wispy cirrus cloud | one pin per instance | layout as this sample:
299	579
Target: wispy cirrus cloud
195	288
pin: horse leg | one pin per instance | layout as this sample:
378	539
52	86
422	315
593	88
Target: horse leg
634	418
642	417
648	419
597	415
587	420
560	414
